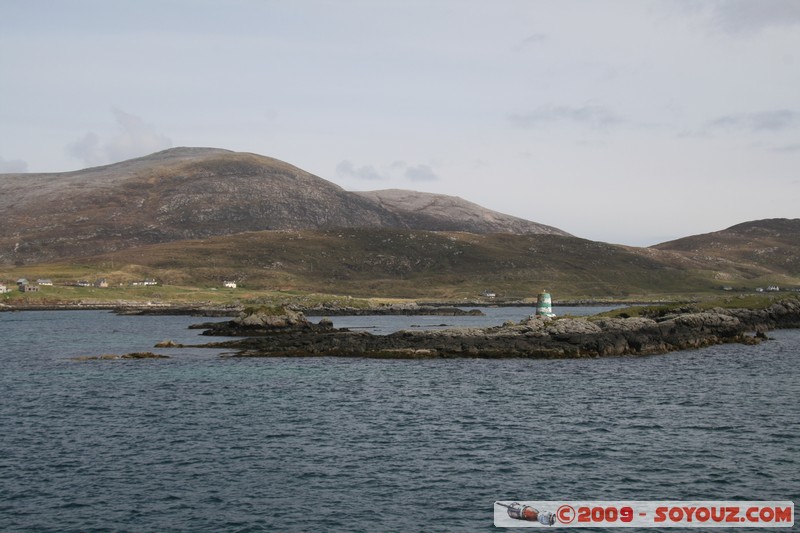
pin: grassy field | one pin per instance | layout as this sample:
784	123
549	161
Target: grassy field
177	295
359	265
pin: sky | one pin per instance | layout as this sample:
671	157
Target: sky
625	121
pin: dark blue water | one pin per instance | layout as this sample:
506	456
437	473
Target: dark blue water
200	442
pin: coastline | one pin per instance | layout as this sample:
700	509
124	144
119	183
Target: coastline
216	310
280	331
267	334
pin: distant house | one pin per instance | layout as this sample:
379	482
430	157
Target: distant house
4	289
773	288
84	283
229	284
101	283
145	283
46	282
488	294
25	286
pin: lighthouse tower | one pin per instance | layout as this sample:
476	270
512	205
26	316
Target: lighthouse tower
544	305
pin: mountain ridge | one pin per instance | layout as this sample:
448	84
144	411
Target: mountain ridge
189	193
770	244
450	213
196	216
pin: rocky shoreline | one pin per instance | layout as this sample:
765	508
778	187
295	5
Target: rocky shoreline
272	334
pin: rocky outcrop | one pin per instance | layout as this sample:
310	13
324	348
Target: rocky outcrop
265	320
132	355
533	338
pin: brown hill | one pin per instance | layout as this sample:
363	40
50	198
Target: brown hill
195	216
397	263
439	212
752	248
421	264
191	193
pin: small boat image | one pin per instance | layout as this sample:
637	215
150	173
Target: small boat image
530	514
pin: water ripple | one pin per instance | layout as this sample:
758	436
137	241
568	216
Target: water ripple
199	443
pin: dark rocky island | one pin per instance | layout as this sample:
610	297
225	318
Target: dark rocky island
133	355
281	333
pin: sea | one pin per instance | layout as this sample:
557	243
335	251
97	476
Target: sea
202	441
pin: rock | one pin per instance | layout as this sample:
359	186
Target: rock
270	318
168	344
132	355
265	320
143	355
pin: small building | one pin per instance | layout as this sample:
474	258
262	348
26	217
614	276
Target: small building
4	289
229	284
27	287
489	294
84	283
101	283
45	282
144	283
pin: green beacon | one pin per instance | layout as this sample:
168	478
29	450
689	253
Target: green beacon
544	305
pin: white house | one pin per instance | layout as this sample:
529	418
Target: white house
146	283
4	289
229	284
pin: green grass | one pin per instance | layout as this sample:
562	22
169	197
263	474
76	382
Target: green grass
350	267
165	294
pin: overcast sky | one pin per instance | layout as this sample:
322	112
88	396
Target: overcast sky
625	121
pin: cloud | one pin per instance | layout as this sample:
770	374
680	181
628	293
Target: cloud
761	121
420	173
532	40
399	170
134	138
745	16
595	116
346	169
789	148
13	166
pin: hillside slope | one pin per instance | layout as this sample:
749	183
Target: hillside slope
439	212
758	246
399	263
183	193
186	193
418	264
